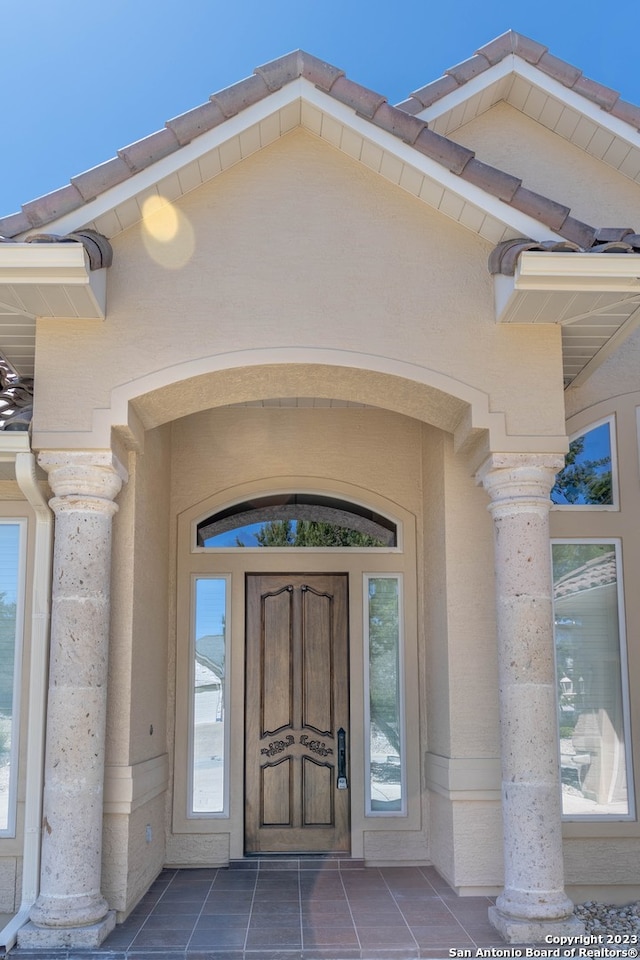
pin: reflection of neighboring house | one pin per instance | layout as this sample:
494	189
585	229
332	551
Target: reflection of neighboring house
209	670
586	615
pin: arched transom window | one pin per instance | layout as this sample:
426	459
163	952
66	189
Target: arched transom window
299	520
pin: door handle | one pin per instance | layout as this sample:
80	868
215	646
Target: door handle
342	759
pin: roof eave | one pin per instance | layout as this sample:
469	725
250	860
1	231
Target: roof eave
317	111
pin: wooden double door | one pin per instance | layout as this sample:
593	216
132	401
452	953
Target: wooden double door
297	714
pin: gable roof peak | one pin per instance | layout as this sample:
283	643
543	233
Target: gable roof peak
517	44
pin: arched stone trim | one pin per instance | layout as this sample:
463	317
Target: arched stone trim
206	382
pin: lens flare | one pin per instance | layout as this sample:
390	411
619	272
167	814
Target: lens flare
168	235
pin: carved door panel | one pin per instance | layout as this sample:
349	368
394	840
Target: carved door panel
297	714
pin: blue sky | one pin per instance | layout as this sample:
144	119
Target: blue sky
81	79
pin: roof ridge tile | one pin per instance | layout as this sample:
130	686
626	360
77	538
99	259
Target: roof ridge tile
13	224
581	233
541	208
497	182
142	153
604	97
628	112
53	205
91	183
319	72
189	125
299	63
498	48
239	96
276	73
363	100
559	70
435	90
468	69
445	152
399	123
411	105
530	50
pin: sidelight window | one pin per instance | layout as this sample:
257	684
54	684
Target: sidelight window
12	534
209	685
384	696
591	680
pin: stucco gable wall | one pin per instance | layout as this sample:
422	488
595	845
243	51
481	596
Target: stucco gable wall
548	164
299	246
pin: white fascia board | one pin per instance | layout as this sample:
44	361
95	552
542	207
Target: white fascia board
43	263
518	67
477	84
64	265
602	272
302	89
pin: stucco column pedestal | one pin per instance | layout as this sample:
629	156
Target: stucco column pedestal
533	903
71	910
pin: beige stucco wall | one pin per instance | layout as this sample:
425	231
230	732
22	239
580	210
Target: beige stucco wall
137	710
550	165
300	247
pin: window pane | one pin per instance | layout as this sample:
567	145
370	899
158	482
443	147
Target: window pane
297	520
593	746
385	697
587	475
209	672
9	560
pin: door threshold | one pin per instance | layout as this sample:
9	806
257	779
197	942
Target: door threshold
302	861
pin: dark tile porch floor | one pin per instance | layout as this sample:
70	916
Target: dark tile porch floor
291	910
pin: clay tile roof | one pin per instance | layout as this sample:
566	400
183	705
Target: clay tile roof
598	572
400	121
532	52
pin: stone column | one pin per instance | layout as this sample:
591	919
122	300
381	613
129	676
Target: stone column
71	910
533	903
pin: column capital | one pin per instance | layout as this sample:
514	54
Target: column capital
524	480
90	474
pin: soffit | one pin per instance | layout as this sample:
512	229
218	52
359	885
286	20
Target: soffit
595	298
48	279
552	111
521	72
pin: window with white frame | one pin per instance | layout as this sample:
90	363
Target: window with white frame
209	698
589	477
592	681
385	775
12	537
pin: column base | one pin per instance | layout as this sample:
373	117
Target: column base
35	937
515	930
